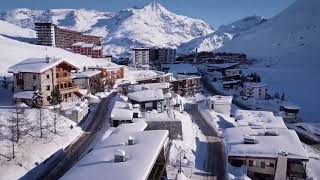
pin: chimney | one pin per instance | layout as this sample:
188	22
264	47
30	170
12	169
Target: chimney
130	141
119	156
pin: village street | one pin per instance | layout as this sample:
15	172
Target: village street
216	162
98	125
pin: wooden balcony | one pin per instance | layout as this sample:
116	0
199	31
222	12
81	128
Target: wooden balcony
71	89
64	79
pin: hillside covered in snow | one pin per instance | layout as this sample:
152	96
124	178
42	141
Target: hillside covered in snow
223	34
288	43
152	25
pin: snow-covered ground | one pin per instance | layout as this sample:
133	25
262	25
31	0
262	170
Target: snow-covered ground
31	150
313	166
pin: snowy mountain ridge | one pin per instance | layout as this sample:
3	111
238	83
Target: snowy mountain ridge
152	25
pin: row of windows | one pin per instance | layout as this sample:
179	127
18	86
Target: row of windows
262	164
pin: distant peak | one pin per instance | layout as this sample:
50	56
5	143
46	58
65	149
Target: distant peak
154	5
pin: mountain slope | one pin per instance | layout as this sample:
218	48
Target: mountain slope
290	43
152	25
224	34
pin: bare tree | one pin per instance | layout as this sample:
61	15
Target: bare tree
37	102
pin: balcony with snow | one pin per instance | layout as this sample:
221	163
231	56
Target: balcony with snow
220	104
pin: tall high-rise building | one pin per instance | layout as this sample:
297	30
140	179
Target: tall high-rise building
140	58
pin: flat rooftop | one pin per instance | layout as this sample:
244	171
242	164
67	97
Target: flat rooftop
146	95
221	99
149	86
140	157
181	68
259	119
266	146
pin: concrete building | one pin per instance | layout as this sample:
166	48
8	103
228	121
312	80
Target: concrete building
148	99
44	74
163	55
49	34
186	85
289	112
140	58
220	104
255	90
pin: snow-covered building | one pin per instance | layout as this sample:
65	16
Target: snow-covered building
165	87
232	74
140	58
44	74
87	49
163	55
232	84
110	71
149	99
128	153
289	112
267	154
180	69
161	77
255	90
259	119
122	112
186	85
222	67
89	80
220	104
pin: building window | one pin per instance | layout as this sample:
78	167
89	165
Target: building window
271	164
263	165
69	94
48	88
34	88
48	76
34	77
20	76
21	87
48	98
57	75
250	162
65	96
61	86
65	74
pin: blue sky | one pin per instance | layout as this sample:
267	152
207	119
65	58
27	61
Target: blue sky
215	12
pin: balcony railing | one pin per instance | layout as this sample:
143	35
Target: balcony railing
70	89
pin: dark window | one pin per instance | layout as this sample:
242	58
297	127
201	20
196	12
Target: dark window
65	96
263	165
48	76
61	86
57	75
48	88
69	94
20	76
271	164
65	74
34	88
48	98
21	87
250	162
34	77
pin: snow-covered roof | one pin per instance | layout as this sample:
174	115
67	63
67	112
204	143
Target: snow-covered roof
121	114
146	95
140	157
122	104
231	82
254	85
85	45
150	86
266	146
78	44
36	65
106	65
85	74
290	106
136	126
155	116
97	48
181	68
221	99
23	95
259	119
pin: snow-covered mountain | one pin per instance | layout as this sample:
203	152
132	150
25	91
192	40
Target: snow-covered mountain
152	25
224	34
289	42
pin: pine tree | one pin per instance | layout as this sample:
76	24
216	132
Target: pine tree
55	101
37	102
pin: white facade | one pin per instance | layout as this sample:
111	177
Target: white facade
220	104
140	57
255	90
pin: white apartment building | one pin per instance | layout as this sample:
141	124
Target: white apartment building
167	55
140	58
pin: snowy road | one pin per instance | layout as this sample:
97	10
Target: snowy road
216	162
93	131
